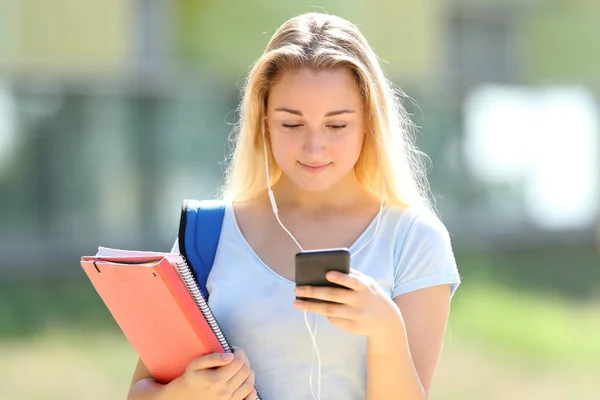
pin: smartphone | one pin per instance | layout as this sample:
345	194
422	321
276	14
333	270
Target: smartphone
312	265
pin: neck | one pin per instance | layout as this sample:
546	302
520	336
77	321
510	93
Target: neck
345	194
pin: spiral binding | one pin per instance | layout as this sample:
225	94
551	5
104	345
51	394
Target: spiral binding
190	282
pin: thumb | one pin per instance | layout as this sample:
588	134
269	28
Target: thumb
212	360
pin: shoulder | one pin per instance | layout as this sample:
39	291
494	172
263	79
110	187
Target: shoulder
414	222
256	208
251	215
423	254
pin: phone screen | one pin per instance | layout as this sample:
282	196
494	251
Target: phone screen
312	265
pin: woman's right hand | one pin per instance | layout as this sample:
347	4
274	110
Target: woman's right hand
218	376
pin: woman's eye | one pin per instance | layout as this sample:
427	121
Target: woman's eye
292	127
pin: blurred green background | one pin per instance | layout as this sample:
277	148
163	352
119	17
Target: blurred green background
112	112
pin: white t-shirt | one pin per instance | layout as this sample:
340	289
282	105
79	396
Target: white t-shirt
254	305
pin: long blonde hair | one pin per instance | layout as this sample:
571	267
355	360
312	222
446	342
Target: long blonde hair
320	41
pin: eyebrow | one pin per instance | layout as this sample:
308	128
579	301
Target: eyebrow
329	114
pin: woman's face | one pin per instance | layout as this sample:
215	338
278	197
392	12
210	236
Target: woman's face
315	120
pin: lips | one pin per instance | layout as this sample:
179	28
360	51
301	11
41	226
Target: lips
314	168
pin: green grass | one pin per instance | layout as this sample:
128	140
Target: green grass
61	364
541	328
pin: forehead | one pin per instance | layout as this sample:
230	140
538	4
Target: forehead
311	91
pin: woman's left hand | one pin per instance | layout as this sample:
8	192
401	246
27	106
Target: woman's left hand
364	309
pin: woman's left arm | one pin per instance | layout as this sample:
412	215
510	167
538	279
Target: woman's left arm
403	356
404	335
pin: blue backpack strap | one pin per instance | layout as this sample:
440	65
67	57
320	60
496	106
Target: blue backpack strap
199	231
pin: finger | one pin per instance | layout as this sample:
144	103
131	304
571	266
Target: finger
227	372
240	376
336	295
351	281
241	354
239	379
326	308
252	396
242	383
246	360
238	351
212	360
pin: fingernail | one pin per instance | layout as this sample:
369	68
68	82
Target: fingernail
298	304
300	291
227	356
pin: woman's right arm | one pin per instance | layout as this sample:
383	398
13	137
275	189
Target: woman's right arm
213	376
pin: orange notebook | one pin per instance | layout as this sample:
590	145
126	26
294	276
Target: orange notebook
154	299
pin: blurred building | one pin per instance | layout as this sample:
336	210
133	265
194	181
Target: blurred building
112	112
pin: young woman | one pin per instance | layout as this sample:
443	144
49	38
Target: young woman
323	159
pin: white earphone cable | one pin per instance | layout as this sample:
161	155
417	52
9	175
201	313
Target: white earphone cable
312	333
315	350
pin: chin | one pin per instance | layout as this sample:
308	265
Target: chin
316	182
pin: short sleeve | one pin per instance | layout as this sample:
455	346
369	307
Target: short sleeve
426	257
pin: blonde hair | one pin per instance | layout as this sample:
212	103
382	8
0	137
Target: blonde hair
321	41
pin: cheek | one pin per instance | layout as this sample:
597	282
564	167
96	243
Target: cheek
283	149
349	148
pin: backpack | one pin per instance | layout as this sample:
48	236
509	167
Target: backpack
199	232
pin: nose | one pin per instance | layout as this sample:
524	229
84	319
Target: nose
314	142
